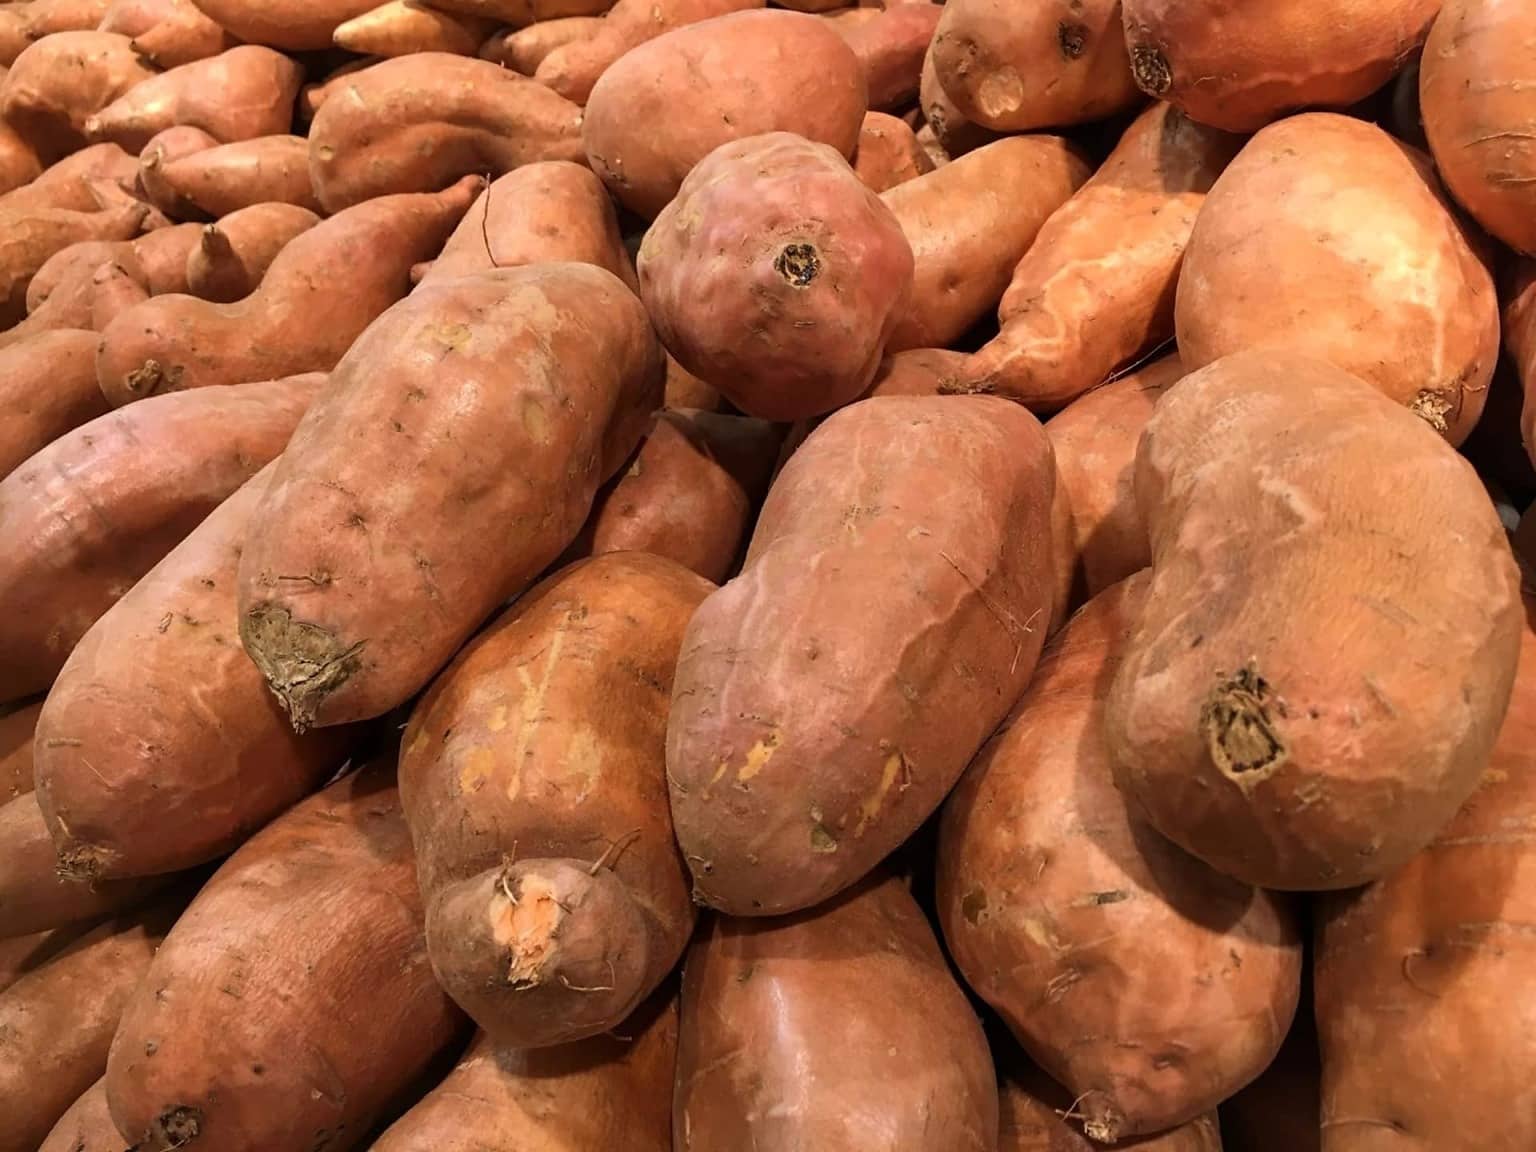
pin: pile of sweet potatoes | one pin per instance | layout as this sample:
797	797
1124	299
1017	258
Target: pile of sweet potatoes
706	576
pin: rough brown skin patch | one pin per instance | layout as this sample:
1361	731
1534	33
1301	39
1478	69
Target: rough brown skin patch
80	863
1242	739
1433	407
175	1128
302	663
1150	69
798	263
152	378
1072	39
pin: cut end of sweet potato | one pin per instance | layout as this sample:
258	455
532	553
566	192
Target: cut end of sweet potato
525	920
1239	731
303	663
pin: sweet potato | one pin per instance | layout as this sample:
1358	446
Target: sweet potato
167	33
969	223
24	954
76	181
19	164
520	13
95	510
725	79
955	134
1520	338
1013	68
159	258
1309	754
1096	288
1034	1113
779	805
891	48
22	24
888	153
776	276
293	1000
601	1093
235	253
1095	439
87	298
87	1126
1325	227
166	147
919	372
545	213
1423	979
404	27
759	1061
296	321
573	69
134	775
292	25
1279	1112
242	94
311	96
1097	940
63	80
47	387
16	727
56	1023
419	123
221	180
30	236
524	49
685	390
1239	66
451	384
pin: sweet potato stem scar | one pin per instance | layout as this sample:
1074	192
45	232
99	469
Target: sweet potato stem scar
1241	737
798	263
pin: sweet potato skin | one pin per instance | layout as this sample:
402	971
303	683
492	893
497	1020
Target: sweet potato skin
521	13
736	76
295	322
29	237
919	372
888	153
16	728
1368	246
98	508
234	254
891	48
61	81
221	180
1280	1111
168	146
1096	288
167	33
1031	1109
337	643
19	164
1227	746
1520	338
524	49
404	27
802	746
419	123
776	276
910	1049
87	1126
292	25
158	258
1102	963
317	925
969	223
47	387
1237	67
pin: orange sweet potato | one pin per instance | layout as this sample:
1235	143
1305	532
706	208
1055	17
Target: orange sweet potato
296	321
74	181
1325	227
311	96
1313	748
159	258
23	954
17	723
22	24
87	298
738	75
891	48
241	94
95	510
47	387
888	153
803	744
1239	66
1094	938
574	69
776	276
404	27
1520	338
919	372
601	1093
167	33
293	1001
952	134
30	236
969	223
170	145
685	390
419	123
1033	1119
135	776
63	80
292	25
524	49
520	13
234	254
450	384
87	1126
19	163
758	1063
1096	288
221	180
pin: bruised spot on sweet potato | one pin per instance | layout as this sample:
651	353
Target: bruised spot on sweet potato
303	664
798	263
1072	39
1150	68
1243	741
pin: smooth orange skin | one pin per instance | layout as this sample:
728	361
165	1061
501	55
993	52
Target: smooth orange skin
226	178
888	153
47	387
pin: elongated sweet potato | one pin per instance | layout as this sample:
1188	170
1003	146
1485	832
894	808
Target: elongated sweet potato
61	81
888	153
805	741
135	775
221	180
16	727
19	163
296	321
451	384
1239	66
1094	938
545	213
74	182
292	25
158	257
1520	338
24	954
969	223
1322	752
167	33
87	1126
172	144
524	49
721	80
1033	1113
56	1023
1095	439
1096	288
87	298
520	13
891	48
95	510
1325	227
1280	1111
25	24
47	388
419	123
574	69
776	276
533	776
403	27
234	254
30	236
294	999
242	94
909	1048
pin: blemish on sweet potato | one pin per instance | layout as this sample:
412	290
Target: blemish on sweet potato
1150	68
798	263
1239	732
303	664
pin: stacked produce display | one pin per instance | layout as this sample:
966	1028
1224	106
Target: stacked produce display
689	576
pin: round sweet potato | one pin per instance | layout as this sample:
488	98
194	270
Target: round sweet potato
891	47
824	706
292	25
47	388
1014	67
888	153
166	147
404	27
787	1023
1239	66
721	80
776	276
167	33
87	1126
524	49
1096	939
233	255
1292	732
1034	1111
221	180
61	81
1325	227
74	181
